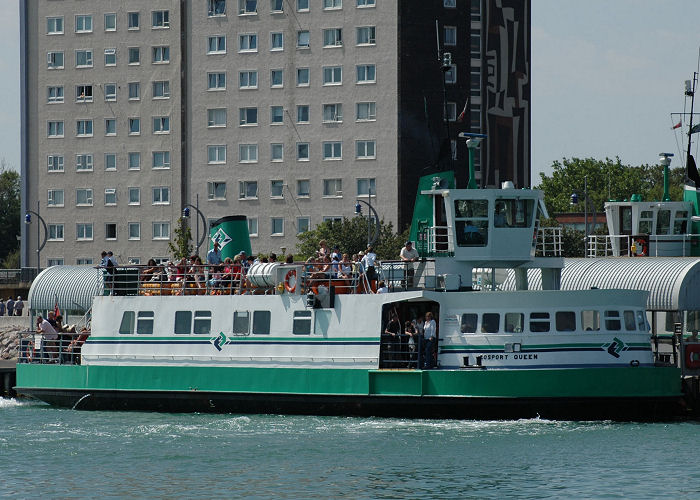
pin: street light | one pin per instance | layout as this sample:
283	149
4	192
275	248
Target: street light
587	200
186	214
373	212
40	246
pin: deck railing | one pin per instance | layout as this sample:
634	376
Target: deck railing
39	348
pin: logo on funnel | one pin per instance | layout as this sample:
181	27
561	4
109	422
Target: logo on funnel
221	236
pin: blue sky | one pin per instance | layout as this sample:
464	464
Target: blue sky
606	74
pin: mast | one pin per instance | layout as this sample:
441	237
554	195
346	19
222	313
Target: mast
690	162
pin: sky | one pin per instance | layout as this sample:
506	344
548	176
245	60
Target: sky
606	75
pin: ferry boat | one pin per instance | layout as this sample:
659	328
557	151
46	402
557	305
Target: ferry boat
286	341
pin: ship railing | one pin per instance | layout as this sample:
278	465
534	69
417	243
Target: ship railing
399	275
548	242
440	240
63	348
399	351
320	274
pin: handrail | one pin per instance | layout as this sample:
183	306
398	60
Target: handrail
65	349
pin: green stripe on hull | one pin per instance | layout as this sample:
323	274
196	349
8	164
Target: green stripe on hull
581	382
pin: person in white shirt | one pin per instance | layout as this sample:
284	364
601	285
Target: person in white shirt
409	254
368	263
429	340
382	288
49	334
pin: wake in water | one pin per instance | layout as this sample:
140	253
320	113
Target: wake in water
14	403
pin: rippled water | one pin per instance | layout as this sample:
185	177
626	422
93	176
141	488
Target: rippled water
63	453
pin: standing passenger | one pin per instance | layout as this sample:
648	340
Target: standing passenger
430	337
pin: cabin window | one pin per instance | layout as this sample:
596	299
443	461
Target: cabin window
539	322
183	322
302	323
490	323
612	320
468	324
144	323
126	327
513	213
241	320
202	322
629	321
261	322
514	322
565	321
626	220
322	320
641	321
590	320
680	222
646	221
472	230
663	221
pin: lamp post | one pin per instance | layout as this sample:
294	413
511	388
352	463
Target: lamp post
186	215
40	246
372	212
587	200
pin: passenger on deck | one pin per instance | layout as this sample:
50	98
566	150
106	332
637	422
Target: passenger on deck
214	255
272	257
410	331
196	271
49	335
381	287
346	267
409	254
368	262
392	340
430	339
289	259
149	271
323	249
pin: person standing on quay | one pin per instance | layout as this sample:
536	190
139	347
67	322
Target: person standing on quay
2	307
10	306
19	306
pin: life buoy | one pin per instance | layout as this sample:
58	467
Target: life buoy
291	274
692	356
639	248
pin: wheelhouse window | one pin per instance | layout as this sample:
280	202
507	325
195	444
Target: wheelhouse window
513	213
302	323
663	221
630	325
539	322
612	320
471	221
144	323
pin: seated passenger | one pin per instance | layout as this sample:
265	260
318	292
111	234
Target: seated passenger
499	219
346	267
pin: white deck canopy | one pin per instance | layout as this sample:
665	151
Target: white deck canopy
73	287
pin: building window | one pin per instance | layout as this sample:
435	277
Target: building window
216	190
276	189
110	57
365	187
83	93
161	230
302	151
55	198
366	150
332	75
276	152
54	25
161	159
449	3
276	41
134	55
252	226
83	231
248	79
161	54
451	74
134	161
134	230
110	231
83	58
333	219
110	91
55	232
55	94
55	163
333	37
83	128
302	77
216	81
333	188
303	113
161	195
277	6
303	224
302	5
110	161
450	35
365	3
216	117
161	89
82	261
303	188
55	129
332	150
332	4
216	44
83	163
247	7
83	197
216	154
248	42
366	111
160	19
248	116
110	126
83	24
333	112
54	60
276	80
248	153
366	73
161	124
111	22
276	114
248	190
303	39
134	91
133	20
134	196
216	8
277	226
134	126
366	35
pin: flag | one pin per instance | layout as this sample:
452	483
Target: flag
56	310
677	125
460	118
696	128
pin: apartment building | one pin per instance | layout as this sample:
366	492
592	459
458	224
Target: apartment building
286	111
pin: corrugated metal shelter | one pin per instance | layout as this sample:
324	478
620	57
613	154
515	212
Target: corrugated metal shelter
72	286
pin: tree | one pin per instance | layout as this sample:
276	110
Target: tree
181	246
351	236
10	207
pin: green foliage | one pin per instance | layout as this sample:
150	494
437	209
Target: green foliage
571	239
10	208
181	246
12	260
351	236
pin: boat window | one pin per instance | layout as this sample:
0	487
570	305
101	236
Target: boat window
692	321
471	209
261	322
626	220
144	323
468	323
514	322
126	327
472	232
680	222
629	321
202	322
302	323
565	320
612	320
641	321
645	221
490	322
513	213
539	322
241	320
590	320
322	320
663	221
183	322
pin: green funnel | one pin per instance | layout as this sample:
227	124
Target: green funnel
232	234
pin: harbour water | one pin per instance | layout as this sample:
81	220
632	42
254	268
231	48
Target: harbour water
48	452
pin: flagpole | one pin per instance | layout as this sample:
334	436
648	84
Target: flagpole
690	91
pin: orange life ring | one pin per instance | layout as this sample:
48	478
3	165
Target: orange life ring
641	245
692	356
292	273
